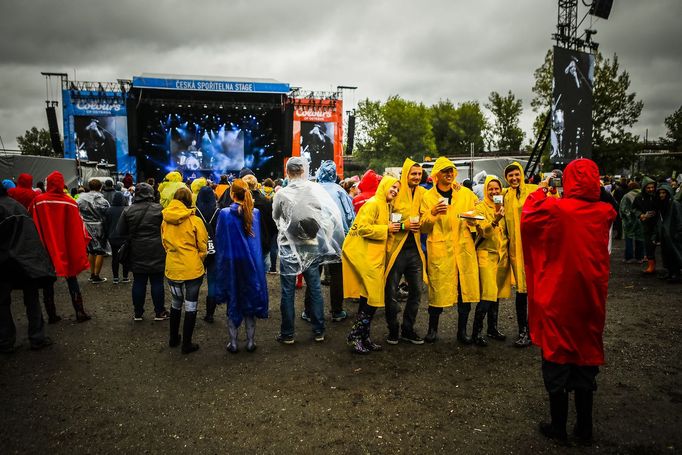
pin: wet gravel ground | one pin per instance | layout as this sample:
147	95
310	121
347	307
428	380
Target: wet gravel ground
113	386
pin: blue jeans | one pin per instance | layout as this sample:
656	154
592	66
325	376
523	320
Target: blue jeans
634	249
287	308
140	292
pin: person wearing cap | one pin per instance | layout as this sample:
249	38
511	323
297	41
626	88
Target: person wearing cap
310	235
492	261
405	257
514	199
451	258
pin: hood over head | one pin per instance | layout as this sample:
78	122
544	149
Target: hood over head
441	164
143	192
518	165
118	200
8	184
55	183
488	179
480	177
581	180
206	202
369	182
327	172
176	212
665	187
646	181
386	183
174	176
198	184
25	181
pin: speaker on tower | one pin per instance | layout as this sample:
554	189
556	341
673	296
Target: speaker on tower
55	138
601	8
351	134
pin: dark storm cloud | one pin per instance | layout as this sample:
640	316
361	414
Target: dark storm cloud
424	51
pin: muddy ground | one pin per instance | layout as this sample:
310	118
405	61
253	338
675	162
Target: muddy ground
114	386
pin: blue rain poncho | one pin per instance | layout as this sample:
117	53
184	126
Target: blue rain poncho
240	269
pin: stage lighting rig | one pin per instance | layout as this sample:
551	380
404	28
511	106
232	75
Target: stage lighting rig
566	35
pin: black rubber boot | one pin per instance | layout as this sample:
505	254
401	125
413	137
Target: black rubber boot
434	317
77	301
463	310
187	330
174	339
357	334
477	329
558	410
583	409
493	331
210	309
50	309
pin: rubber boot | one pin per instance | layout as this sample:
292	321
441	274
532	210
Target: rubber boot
233	331
250	323
493	331
357	333
477	329
434	317
77	301
558	410
366	341
583	409
210	309
175	338
651	267
463	310
187	331
50	309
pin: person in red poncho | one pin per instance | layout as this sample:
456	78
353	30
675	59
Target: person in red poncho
23	193
368	187
566	247
61	230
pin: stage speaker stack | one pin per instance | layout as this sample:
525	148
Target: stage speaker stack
55	138
601	8
133	138
351	134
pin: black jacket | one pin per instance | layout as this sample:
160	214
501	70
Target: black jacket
142	222
23	258
268	226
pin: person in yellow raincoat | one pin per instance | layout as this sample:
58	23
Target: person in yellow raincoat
196	185
492	264
363	259
169	186
405	257
513	205
452	267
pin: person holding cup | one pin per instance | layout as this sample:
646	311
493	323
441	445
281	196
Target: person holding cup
451	260
405	257
492	261
363	259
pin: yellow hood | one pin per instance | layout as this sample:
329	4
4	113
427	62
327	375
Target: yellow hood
488	200
198	184
440	164
174	176
523	177
386	183
176	212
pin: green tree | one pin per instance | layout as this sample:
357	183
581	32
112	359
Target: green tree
392	131
455	128
614	110
674	134
507	112
36	142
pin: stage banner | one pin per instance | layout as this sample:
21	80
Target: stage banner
96	129
318	132
571	133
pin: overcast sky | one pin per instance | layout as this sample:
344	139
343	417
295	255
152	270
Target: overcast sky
421	50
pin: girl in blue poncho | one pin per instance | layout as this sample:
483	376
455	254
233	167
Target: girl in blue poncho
239	263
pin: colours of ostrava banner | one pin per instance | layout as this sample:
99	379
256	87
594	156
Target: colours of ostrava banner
318	132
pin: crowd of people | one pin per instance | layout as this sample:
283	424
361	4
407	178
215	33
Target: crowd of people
378	240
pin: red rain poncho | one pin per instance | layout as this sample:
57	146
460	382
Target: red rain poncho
565	246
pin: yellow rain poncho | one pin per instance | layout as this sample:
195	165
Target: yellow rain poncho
493	262
169	187
451	254
407	204
513	205
197	184
363	255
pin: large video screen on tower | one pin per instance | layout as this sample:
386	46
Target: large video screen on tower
573	79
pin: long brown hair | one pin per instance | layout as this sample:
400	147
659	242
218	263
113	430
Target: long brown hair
240	193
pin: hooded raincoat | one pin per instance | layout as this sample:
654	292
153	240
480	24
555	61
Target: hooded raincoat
670	230
632	227
61	228
168	188
310	231
407	203
93	208
23	192
364	250
196	186
368	186
493	261
513	205
451	254
326	177
240	270
185	241
565	245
